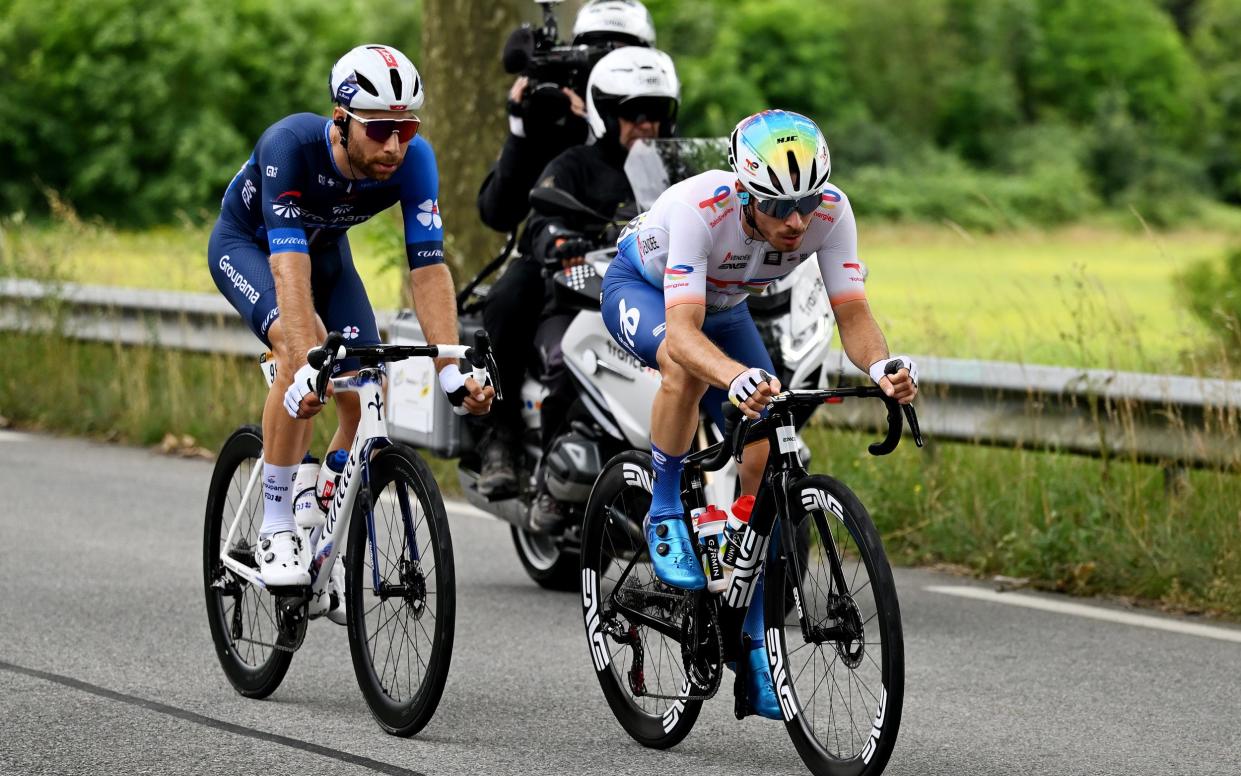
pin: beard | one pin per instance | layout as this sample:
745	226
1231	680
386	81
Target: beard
370	167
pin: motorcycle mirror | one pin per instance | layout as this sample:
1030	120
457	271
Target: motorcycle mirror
557	202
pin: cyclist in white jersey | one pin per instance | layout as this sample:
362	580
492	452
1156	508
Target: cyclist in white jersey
675	298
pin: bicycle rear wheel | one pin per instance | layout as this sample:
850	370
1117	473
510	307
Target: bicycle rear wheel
242	616
631	617
401	592
841	684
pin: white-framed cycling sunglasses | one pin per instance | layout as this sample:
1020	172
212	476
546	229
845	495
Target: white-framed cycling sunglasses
380	130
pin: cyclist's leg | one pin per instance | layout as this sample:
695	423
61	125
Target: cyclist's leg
342	302
735	333
633	312
241	270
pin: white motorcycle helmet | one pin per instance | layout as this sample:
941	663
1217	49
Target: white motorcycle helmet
625	21
376	77
641	81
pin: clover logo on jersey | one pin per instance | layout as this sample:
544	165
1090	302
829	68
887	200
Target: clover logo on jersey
350	332
285	205
430	214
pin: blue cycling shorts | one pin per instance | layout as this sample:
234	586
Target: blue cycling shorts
241	269
633	312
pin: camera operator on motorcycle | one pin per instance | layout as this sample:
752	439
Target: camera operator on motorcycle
675	297
547	118
633	93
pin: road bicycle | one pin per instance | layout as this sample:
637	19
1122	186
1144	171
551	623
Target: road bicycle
832	621
387	516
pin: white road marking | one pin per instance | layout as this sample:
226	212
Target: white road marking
1091	612
13	436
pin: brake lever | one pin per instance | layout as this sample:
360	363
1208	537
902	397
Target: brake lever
322	358
911	417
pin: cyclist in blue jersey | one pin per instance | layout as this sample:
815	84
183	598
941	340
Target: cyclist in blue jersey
280	254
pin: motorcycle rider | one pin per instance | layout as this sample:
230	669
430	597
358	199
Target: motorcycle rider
633	93
534	140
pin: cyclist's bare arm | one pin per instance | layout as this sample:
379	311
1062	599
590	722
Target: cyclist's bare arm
693	351
864	344
297	312
435	304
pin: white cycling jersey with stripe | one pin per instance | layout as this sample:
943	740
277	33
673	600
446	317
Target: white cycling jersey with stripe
692	245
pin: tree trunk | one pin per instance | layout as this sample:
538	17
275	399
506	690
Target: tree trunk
464	113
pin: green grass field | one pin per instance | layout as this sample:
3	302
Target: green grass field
1101	296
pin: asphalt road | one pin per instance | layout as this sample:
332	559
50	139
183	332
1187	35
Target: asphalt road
106	662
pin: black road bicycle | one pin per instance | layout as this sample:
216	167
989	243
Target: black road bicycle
835	649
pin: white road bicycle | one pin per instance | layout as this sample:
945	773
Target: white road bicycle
388	517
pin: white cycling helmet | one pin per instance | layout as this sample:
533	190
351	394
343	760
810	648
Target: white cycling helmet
376	77
625	21
640	81
778	154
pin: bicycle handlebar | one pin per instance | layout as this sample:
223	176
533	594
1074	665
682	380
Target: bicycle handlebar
738	430
333	349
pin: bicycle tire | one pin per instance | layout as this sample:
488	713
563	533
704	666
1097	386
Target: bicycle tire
866	686
244	631
624	488
400	709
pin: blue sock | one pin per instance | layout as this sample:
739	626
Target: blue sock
666	500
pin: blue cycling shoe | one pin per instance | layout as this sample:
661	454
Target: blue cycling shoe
761	691
673	552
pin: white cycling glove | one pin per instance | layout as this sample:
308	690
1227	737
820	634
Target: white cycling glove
877	372
452	380
303	383
745	384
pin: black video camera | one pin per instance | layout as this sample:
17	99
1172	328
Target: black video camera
549	64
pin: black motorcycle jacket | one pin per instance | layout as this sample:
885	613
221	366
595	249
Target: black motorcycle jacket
595	176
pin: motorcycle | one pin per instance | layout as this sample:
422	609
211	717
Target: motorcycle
607	392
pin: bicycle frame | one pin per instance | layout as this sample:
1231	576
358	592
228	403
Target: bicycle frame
372	435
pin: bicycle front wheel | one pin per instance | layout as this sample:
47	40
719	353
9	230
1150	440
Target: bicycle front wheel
242	616
841	676
400	585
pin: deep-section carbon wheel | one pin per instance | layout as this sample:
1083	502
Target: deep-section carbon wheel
242	616
401	592
634	623
842	678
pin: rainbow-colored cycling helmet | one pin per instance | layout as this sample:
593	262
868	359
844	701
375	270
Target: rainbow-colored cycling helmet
778	154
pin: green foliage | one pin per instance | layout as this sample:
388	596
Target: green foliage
1217	44
136	112
1213	293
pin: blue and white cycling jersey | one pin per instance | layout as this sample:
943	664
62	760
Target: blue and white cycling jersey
291	197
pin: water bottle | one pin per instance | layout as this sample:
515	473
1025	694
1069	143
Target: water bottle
709	523
329	477
306	511
734	532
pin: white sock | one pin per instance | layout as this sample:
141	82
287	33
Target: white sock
277	499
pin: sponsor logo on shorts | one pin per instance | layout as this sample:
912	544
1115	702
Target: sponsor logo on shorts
238	280
269	319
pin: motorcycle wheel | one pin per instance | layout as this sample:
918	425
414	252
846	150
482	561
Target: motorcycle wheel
545	562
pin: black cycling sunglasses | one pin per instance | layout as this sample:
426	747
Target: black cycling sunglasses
641	109
380	130
780	208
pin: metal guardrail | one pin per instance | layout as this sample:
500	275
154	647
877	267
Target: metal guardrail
205	323
1174	420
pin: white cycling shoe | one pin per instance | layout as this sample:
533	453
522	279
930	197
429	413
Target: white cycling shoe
331	600
280	563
